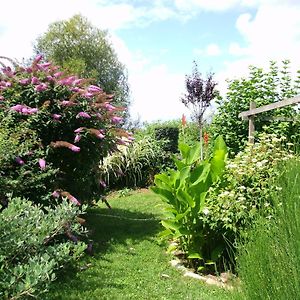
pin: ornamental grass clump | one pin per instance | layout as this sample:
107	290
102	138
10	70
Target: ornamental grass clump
133	165
73	121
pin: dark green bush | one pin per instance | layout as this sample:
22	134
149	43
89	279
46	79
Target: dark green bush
20	171
170	135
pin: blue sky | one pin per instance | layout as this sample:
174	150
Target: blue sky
158	40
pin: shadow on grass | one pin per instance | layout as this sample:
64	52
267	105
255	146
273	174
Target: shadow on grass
107	229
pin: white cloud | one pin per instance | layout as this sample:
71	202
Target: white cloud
235	49
208	5
157	94
212	49
273	33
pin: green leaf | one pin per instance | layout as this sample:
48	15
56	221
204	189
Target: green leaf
218	159
196	172
219	144
165	233
203	175
164	194
170	225
184	150
202	201
194	154
184	174
174	176
179	164
184	197
210	263
184	231
162	177
180	216
194	255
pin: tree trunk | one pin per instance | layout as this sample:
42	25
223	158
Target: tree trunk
201	139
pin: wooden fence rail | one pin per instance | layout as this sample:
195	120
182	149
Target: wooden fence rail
250	114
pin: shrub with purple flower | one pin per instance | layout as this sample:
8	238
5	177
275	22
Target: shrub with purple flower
62	111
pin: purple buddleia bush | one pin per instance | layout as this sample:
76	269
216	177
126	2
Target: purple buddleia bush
74	123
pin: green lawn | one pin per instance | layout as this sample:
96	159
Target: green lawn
128	261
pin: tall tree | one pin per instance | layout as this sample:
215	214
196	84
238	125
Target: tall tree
200	92
86	51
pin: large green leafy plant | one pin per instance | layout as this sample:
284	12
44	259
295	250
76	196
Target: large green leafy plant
185	190
73	122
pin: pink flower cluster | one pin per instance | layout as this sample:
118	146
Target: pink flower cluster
23	109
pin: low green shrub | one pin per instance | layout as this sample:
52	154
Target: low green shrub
269	259
32	247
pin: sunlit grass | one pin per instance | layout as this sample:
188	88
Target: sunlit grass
128	262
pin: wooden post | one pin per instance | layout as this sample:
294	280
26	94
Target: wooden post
251	125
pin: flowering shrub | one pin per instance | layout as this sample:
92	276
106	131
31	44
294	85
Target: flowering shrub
31	248
74	123
245	191
23	172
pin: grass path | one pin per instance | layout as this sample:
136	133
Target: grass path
128	262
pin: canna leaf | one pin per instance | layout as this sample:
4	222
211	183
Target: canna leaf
194	154
184	150
181	216
165	233
184	174
170	225
184	197
218	159
179	164
164	194
203	176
